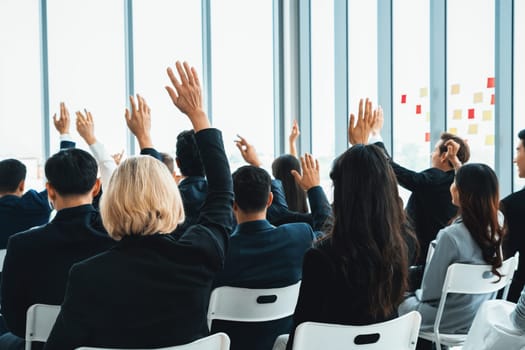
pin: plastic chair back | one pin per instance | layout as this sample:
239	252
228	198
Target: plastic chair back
39	322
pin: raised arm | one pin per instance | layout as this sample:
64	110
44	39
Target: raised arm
62	125
452	153
248	152
359	129
138	121
292	139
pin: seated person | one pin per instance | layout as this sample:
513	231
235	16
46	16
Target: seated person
262	255
20	211
518	315
474	237
151	290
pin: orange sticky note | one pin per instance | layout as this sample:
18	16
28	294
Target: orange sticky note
453	131
427	137
492	99
457	114
418	109
473	129
471	113
487	115
403	98
454	89
423	92
478	97
491	82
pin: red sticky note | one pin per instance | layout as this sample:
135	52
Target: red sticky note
418	109
491	82
427	137
471	113
492	99
403	98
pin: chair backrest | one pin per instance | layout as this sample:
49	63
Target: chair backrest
397	334
2	257
252	305
39	322
475	279
217	341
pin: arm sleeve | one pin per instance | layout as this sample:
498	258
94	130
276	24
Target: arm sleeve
518	315
321	210
106	164
66	141
151	152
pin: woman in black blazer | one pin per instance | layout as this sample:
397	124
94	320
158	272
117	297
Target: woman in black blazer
152	290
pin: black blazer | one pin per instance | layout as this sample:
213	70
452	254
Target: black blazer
37	263
513	207
152	291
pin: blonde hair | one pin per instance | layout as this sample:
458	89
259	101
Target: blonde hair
141	199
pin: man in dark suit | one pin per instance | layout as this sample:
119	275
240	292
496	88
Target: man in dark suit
262	255
513	207
37	263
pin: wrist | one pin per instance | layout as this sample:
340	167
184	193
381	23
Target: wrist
199	120
145	142
90	140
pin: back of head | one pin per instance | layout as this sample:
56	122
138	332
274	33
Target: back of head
295	196
367	233
12	172
71	172
521	136
477	186
251	186
188	154
464	149
168	161
141	199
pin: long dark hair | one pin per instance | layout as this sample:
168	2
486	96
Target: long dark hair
295	196
367	235
478	190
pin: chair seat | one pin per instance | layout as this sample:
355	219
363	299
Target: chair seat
446	339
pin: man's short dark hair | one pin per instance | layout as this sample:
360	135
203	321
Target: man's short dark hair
168	161
188	155
521	135
251	186
464	149
71	172
12	172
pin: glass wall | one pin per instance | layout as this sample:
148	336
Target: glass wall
20	87
470	75
519	80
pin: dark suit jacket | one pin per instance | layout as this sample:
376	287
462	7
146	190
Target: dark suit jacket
37	263
265	256
193	190
513	207
430	205
152	291
278	213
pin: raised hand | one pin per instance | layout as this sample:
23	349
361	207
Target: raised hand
62	124
86	127
248	152
379	121
452	153
187	96
359	130
117	157
139	121
294	134
310	173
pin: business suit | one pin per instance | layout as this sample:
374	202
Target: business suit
193	190
37	263
513	207
152	291
429	207
264	256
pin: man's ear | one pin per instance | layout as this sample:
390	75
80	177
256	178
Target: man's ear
96	188
21	186
177	161
51	192
270	200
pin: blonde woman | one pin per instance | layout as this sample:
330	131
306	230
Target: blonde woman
152	290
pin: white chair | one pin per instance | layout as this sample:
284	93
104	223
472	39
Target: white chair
39	322
217	341
2	257
397	334
469	279
492	328
252	305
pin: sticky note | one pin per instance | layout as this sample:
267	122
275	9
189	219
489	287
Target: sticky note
427	137
418	109
471	113
478	97
492	99
487	115
473	129
491	82
454	90
423	92
428	117
403	98
489	140
453	131
457	114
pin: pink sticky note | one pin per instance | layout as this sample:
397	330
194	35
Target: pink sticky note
492	99
418	109
491	82
403	98
427	137
471	113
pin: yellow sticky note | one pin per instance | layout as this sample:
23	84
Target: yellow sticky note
478	97
473	129
489	140
423	92
453	131
454	90
428	116
457	114
487	115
